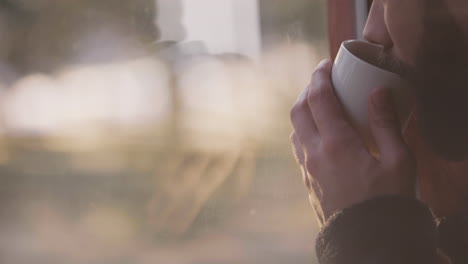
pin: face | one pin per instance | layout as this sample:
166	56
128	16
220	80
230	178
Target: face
426	42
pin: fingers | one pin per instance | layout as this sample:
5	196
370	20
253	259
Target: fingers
325	107
297	149
303	123
300	158
305	136
317	209
385	126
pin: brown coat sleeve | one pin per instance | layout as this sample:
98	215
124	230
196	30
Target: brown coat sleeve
380	231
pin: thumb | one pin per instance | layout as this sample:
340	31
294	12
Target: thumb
385	125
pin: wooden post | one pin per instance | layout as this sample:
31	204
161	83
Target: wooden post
341	23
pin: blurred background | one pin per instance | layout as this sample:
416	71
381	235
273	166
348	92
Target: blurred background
143	131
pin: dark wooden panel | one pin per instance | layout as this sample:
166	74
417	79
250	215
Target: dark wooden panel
341	23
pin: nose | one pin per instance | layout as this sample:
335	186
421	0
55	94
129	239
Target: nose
376	30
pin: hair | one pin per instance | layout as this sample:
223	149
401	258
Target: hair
440	80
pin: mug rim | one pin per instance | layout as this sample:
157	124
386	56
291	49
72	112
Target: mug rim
345	48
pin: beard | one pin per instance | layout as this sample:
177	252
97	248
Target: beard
439	78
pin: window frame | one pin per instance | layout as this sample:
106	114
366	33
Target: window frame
346	20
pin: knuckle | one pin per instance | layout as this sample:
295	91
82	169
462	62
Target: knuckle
321	91
331	148
311	164
317	93
321	71
344	131
317	73
383	116
336	152
384	120
298	110
402	159
337	145
307	182
292	137
295	110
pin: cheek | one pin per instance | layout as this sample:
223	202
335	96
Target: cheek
404	22
459	10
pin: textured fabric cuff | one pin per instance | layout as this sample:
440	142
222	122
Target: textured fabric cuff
453	237
388	229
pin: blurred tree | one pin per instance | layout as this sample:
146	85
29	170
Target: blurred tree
46	34
299	20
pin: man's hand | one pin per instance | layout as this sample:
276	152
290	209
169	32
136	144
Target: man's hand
338	169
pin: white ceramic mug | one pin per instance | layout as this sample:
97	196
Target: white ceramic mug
355	74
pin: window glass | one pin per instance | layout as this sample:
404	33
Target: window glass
142	131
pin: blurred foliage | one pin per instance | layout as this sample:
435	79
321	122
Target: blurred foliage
44	35
293	20
223	192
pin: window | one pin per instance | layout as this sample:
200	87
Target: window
141	131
